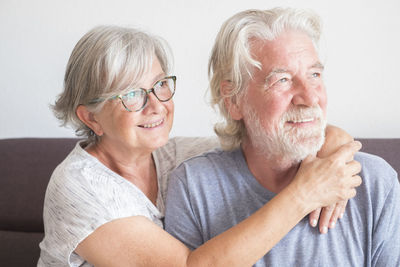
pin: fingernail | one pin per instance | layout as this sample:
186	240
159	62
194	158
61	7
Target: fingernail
341	215
314	223
324	230
332	225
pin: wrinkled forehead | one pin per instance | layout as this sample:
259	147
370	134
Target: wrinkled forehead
288	46
287	39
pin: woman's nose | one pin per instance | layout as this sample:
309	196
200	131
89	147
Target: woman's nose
153	104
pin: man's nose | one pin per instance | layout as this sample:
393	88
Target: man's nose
305	94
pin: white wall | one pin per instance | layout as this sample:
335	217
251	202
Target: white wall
362	40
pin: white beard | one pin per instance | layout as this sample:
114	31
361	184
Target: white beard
289	145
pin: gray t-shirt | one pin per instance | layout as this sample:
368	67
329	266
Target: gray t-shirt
83	194
211	193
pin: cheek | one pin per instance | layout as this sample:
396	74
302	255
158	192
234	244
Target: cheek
170	107
270	110
125	124
323	101
278	105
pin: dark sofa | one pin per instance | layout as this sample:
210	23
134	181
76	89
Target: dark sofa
25	168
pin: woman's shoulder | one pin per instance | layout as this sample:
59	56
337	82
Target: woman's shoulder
73	169
179	149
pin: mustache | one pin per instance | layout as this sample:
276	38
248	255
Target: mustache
296	113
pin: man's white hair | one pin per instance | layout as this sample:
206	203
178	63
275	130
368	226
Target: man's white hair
232	61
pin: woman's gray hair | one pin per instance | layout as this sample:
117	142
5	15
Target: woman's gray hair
106	61
231	58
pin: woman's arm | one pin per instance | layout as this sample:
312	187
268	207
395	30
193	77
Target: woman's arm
328	216
136	241
335	137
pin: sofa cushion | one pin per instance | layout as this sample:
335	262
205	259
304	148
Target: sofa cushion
25	168
19	248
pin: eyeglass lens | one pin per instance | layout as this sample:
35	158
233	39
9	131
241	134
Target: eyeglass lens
136	99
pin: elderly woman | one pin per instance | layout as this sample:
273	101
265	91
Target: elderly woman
104	204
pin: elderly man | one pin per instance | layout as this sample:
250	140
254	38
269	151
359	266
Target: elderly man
267	80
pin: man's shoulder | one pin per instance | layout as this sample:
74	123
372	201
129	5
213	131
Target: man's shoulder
205	166
216	156
374	165
379	178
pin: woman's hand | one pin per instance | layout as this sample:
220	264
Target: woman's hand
328	216
322	182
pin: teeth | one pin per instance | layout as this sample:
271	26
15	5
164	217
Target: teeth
302	120
153	124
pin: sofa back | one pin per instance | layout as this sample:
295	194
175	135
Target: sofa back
25	168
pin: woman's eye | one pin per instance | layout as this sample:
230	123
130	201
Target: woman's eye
283	80
159	84
131	95
134	94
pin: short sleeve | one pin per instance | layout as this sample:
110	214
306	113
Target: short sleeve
82	196
386	234
180	220
380	201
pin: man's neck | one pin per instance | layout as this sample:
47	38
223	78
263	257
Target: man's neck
273	173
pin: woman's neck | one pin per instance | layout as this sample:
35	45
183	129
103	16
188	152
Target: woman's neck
137	167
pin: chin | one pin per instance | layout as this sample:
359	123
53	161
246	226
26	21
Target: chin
301	151
162	142
292	148
155	142
158	137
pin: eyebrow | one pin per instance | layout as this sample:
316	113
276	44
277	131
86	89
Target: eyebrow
275	71
318	65
160	76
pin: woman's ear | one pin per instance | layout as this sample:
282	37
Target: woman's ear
230	102
89	119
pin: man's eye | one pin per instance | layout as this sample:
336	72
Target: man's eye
279	82
316	75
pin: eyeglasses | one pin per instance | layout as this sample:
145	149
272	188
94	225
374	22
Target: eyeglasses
136	99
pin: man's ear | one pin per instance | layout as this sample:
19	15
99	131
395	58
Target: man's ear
230	103
89	119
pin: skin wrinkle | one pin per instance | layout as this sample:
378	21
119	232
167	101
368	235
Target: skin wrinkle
284	142
275	71
271	127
